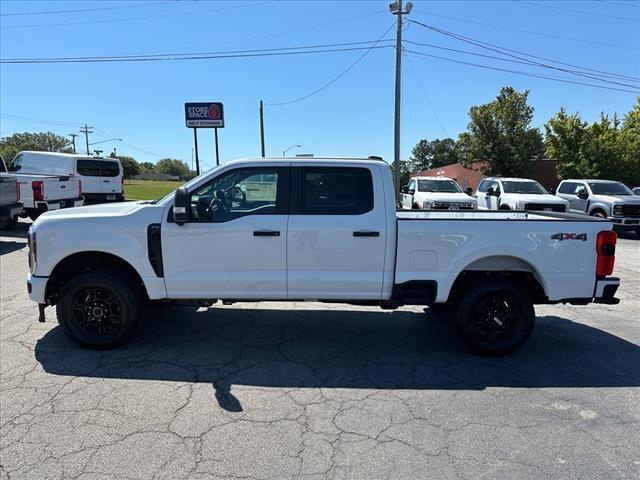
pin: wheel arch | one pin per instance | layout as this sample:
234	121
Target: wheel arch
87	261
514	268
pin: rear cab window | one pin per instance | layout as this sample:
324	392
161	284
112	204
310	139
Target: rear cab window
98	168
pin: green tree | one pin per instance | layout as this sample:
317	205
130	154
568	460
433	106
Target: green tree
433	154
173	166
130	167
43	141
500	135
606	149
147	167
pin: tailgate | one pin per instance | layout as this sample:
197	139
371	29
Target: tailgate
60	188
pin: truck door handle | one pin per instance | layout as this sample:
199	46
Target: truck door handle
266	233
106	181
366	233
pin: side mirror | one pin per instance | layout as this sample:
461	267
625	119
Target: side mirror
181	206
490	191
412	191
583	194
405	189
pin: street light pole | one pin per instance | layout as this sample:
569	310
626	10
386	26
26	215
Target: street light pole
284	153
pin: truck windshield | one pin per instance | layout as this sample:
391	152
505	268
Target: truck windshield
529	187
609	188
440	186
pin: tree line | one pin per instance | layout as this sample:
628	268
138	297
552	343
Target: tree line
50	142
501	137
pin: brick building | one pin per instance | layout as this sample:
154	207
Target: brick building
544	171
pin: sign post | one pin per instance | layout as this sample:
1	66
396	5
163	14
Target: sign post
204	115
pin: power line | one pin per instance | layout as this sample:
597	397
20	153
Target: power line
225	52
517	72
37	120
173	57
131	145
493	57
275	34
504	51
344	72
116	20
530	32
582	12
54	12
424	94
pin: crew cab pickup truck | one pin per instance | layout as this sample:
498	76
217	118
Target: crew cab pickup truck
313	229
499	193
41	193
436	193
603	199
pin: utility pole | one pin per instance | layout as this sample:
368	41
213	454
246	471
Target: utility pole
396	9
73	141
262	128
86	130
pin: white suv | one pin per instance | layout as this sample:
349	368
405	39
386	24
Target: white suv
436	193
495	193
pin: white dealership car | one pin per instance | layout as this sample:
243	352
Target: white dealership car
436	193
497	193
322	229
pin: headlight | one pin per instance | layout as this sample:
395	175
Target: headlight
427	204
617	209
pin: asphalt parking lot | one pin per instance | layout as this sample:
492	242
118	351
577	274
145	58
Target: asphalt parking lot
310	391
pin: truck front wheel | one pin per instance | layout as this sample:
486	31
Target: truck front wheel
494	318
97	310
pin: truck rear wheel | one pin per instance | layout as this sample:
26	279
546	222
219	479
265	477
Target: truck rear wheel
97	310
494	318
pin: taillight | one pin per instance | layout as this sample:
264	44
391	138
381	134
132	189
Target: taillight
606	249
38	190
80	187
17	192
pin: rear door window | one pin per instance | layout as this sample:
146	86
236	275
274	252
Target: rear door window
334	191
567	187
98	168
482	188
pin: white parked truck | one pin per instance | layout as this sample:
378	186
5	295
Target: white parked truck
436	193
102	178
41	193
497	193
313	229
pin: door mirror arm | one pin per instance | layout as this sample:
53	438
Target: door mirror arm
181	206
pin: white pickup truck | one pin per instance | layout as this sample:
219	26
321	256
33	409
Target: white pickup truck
313	229
41	193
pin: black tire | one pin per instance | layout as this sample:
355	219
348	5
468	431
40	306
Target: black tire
494	318
599	214
504	206
415	207
7	223
97	310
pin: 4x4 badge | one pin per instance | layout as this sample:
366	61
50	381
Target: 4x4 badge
569	236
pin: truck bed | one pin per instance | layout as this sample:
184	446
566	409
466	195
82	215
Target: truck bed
557	248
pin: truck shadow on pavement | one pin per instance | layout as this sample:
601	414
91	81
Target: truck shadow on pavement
11	246
336	348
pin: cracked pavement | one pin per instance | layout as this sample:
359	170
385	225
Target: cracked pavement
314	391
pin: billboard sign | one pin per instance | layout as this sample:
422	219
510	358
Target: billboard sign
204	115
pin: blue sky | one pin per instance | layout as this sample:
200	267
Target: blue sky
143	103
